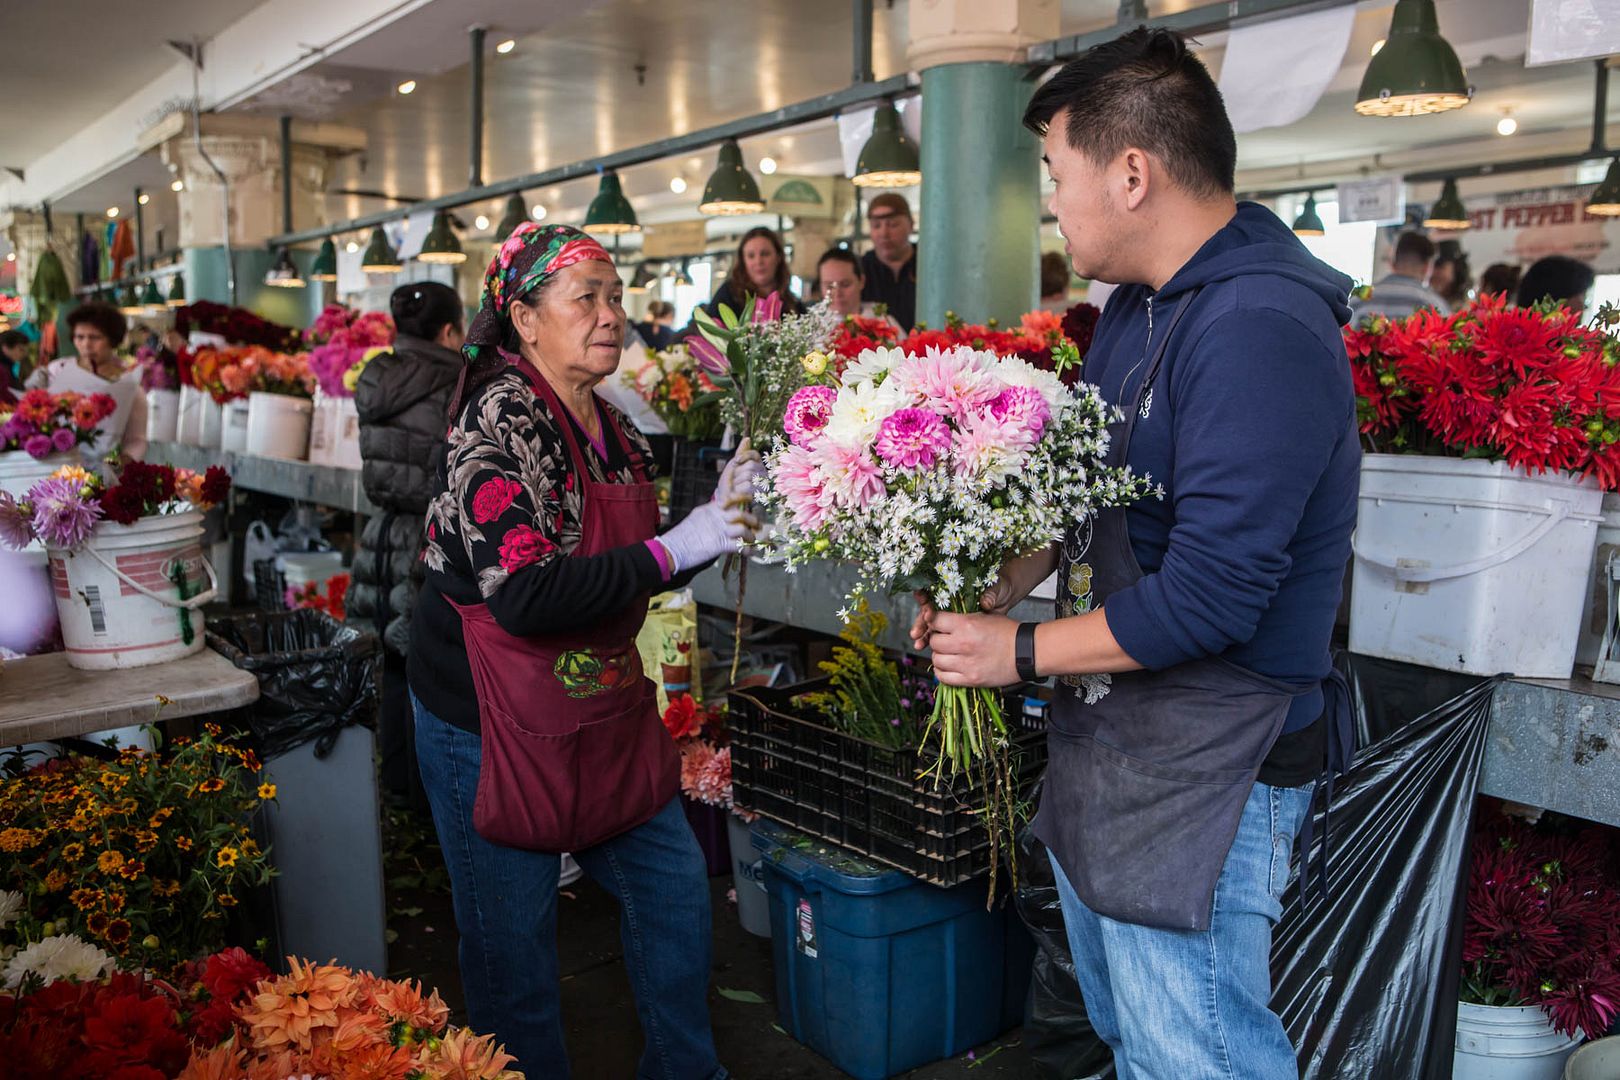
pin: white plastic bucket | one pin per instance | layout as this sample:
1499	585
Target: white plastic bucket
1596	608
322	430
19	471
1598	1060
162	415
278	425
345	434
212	432
234	427
1471	566
188	423
748	878
1508	1043
302	568
117	603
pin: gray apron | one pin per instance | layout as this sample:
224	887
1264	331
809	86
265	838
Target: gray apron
1149	771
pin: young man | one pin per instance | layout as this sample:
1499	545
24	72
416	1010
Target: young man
1405	289
1193	642
890	268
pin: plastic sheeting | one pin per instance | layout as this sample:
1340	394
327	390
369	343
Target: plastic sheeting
316	676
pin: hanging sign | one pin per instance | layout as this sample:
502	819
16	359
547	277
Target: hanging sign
674	239
801	196
1381	199
1519	227
1565	30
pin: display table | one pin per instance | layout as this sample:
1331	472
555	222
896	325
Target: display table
42	698
1555	743
324	485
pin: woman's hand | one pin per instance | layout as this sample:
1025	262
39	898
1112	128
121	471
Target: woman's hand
736	487
709	531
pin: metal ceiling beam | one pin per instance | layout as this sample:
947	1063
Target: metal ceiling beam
863	41
1211	18
816	108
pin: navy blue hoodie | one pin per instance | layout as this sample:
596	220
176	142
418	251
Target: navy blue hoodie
1252	431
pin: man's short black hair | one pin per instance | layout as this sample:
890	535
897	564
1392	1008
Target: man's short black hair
1413	247
1144	89
1556	277
840	254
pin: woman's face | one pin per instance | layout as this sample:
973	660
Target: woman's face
577	328
759	258
841	286
92	345
14	353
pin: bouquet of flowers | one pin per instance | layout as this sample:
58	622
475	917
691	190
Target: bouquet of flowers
1540	925
342	342
145	855
858	334
758	360
234	371
870	696
930	472
62	509
328	599
44	423
1529	386
160	368
700	735
680	392
237	326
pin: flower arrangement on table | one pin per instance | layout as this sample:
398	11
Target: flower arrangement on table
44	423
328	598
237	326
1529	386
1540	924
859	333
62	510
342	342
1044	338
144	855
700	736
929	472
231	372
160	368
869	695
679	391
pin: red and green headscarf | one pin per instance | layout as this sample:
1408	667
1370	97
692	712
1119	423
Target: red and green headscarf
528	258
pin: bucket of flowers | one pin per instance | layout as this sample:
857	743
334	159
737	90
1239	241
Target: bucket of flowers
341	343
279	406
700	736
44	431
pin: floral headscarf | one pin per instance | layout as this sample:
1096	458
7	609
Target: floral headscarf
531	255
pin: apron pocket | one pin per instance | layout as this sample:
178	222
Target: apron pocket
1144	767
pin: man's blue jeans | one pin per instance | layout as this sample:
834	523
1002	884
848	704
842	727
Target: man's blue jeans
1183	1005
506	912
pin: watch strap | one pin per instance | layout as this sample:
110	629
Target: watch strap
1024	652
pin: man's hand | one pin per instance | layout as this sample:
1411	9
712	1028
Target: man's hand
969	650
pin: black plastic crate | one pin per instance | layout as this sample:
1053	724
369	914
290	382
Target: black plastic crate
269	585
792	768
694	473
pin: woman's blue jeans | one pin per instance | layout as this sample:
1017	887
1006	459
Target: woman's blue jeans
506	912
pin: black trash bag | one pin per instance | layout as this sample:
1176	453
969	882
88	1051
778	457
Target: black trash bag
316	676
1366	979
1057	1031
1389	694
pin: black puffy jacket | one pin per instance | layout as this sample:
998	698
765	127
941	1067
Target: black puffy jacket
402	399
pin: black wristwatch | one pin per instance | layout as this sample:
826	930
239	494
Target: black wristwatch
1024	652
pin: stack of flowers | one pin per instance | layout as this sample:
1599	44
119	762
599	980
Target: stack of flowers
44	423
869	695
313	595
859	333
1543	921
231	372
62	510
679	391
1529	386
342	342
1044	338
236	325
700	735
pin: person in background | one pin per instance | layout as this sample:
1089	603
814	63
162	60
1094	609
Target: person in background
1557	277
1405	290
14	346
1055	276
98	330
401	399
838	273
759	269
1500	279
1451	276
658	332
890	268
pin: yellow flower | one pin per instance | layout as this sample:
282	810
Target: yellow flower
161	815
351	378
227	856
56	881
17	839
114	900
213	729
183	843
84	899
815	363
226	900
109	861
267	791
211	785
73	852
249	848
145	839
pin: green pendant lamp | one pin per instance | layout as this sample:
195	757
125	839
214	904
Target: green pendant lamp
1309	222
516	214
1606	198
284	273
610	213
731	188
380	257
441	245
129	302
325	266
1448	211
177	291
889	159
152	300
1417	71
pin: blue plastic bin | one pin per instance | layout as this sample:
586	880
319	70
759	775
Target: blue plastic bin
879	972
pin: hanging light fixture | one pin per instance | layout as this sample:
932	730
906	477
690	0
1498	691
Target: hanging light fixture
380	257
610	213
731	188
284	273
440	245
889	159
177	291
1605	200
515	215
1309	222
1448	211
152	300
325	266
130	303
1417	70
642	279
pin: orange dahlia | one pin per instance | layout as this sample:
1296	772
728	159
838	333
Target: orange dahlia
289	1010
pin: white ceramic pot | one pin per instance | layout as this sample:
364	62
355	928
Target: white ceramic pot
278	425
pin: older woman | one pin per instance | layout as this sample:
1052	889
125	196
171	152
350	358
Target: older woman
759	269
536	730
98	329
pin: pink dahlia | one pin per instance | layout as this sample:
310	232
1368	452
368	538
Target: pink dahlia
950	383
852	478
795	475
807	413
1023	406
913	439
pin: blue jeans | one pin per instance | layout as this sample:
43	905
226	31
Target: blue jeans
506	912
1184	1005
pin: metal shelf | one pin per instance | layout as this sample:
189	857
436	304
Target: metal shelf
324	485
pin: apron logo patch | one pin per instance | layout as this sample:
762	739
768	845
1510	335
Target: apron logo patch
583	674
1147	403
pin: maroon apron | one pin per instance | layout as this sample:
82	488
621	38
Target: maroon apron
573	750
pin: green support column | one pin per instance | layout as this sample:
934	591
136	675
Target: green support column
206	280
981	214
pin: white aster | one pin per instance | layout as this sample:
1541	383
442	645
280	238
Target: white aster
62	956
